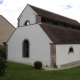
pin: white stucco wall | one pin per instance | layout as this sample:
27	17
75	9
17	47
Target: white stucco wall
27	14
39	45
62	56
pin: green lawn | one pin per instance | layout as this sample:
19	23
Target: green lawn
16	71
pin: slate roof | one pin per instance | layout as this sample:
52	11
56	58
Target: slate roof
59	34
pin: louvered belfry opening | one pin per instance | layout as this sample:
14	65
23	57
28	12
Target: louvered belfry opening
59	23
26	48
56	19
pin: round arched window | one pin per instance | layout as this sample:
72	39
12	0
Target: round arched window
71	50
26	23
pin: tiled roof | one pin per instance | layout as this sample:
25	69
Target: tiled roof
61	35
51	15
57	33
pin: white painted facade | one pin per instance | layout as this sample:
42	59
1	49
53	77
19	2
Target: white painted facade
64	57
39	45
27	14
39	41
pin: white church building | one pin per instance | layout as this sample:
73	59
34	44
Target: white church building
45	36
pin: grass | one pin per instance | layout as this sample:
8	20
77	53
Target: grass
17	71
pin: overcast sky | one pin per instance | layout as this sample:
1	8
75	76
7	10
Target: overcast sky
11	9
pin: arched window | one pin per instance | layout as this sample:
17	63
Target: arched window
71	50
26	48
26	23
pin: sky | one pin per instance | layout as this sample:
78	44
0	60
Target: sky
11	9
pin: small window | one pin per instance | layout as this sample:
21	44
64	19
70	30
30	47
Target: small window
71	50
26	23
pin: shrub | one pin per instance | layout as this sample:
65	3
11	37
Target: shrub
46	65
3	48
2	66
38	65
3	53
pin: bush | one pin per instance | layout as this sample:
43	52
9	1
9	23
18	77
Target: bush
2	66
3	53
38	65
